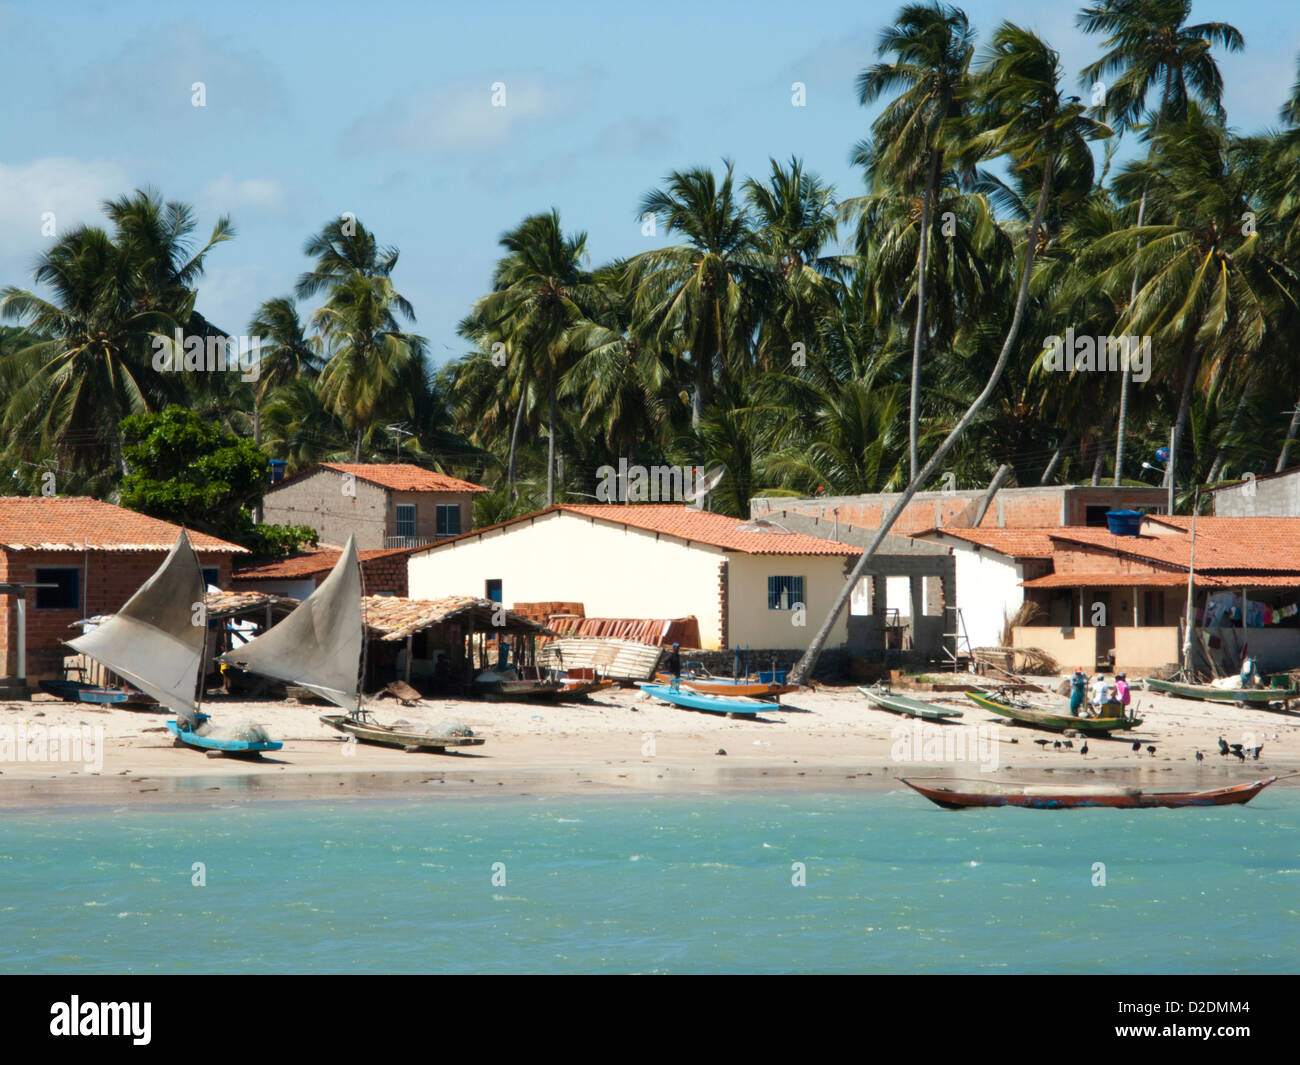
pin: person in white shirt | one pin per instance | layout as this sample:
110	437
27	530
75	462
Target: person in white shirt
1100	695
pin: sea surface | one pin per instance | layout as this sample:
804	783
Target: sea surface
652	884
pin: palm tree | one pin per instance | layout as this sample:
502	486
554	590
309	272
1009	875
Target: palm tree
286	353
1149	45
696	297
932	45
1018	113
541	292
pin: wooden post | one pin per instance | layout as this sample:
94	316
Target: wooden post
407	678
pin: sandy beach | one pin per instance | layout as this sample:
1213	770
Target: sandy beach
624	742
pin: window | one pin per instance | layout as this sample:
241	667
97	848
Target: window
67	593
784	592
405	519
1095	517
448	519
492	589
211	577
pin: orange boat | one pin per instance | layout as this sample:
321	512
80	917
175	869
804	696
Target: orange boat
722	686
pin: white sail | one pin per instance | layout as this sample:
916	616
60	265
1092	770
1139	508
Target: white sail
156	641
318	646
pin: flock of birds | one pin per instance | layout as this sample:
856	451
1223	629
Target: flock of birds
1239	750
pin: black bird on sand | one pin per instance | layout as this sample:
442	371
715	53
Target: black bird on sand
1069	745
1200	757
1254	751
1137	746
1151	750
1241	755
1084	748
1056	745
1223	747
1041	743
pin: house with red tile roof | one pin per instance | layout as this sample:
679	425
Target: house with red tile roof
1108	599
749	583
385	505
91	556
383	572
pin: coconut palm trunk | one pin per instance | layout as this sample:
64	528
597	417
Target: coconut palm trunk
550	442
1291	431
804	667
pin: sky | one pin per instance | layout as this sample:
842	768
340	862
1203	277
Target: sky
385	109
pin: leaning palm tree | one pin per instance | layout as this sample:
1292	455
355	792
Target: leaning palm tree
1018	112
1151	45
286	353
932	45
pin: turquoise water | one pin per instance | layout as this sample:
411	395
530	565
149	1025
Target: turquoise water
652	884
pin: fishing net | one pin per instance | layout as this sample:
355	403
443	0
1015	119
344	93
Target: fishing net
247	731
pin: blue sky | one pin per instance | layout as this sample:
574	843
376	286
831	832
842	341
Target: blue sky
384	109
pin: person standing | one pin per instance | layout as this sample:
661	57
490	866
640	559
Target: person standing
1078	690
675	666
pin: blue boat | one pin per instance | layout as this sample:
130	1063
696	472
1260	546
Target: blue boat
230	748
731	705
75	691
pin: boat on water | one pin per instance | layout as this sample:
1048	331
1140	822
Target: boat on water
154	644
1037	717
1256	697
960	794
731	705
75	691
901	704
319	647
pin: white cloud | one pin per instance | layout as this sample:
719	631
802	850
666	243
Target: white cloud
228	193
71	189
454	116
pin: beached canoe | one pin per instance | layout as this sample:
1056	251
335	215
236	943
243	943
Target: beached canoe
231	748
731	705
960	794
519	690
1257	697
901	704
405	739
75	691
1045	719
748	689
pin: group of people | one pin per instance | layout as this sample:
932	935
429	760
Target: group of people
1102	699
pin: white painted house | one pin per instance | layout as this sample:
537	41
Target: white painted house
742	580
990	566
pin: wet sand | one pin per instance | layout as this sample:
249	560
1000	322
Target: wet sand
622	742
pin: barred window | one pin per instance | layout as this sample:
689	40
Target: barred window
784	592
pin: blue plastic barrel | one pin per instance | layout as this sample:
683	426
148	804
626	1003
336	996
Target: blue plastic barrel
1124	522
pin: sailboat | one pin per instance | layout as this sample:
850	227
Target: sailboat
319	647
156	642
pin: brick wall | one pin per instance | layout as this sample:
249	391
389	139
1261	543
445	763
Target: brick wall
107	579
1011	508
384	576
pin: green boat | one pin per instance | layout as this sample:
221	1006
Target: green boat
901	704
1045	719
1257	697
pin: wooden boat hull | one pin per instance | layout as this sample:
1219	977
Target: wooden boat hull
75	691
1052	722
722	686
509	691
732	706
1258	697
899	704
574	689
950	795
229	748
383	736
